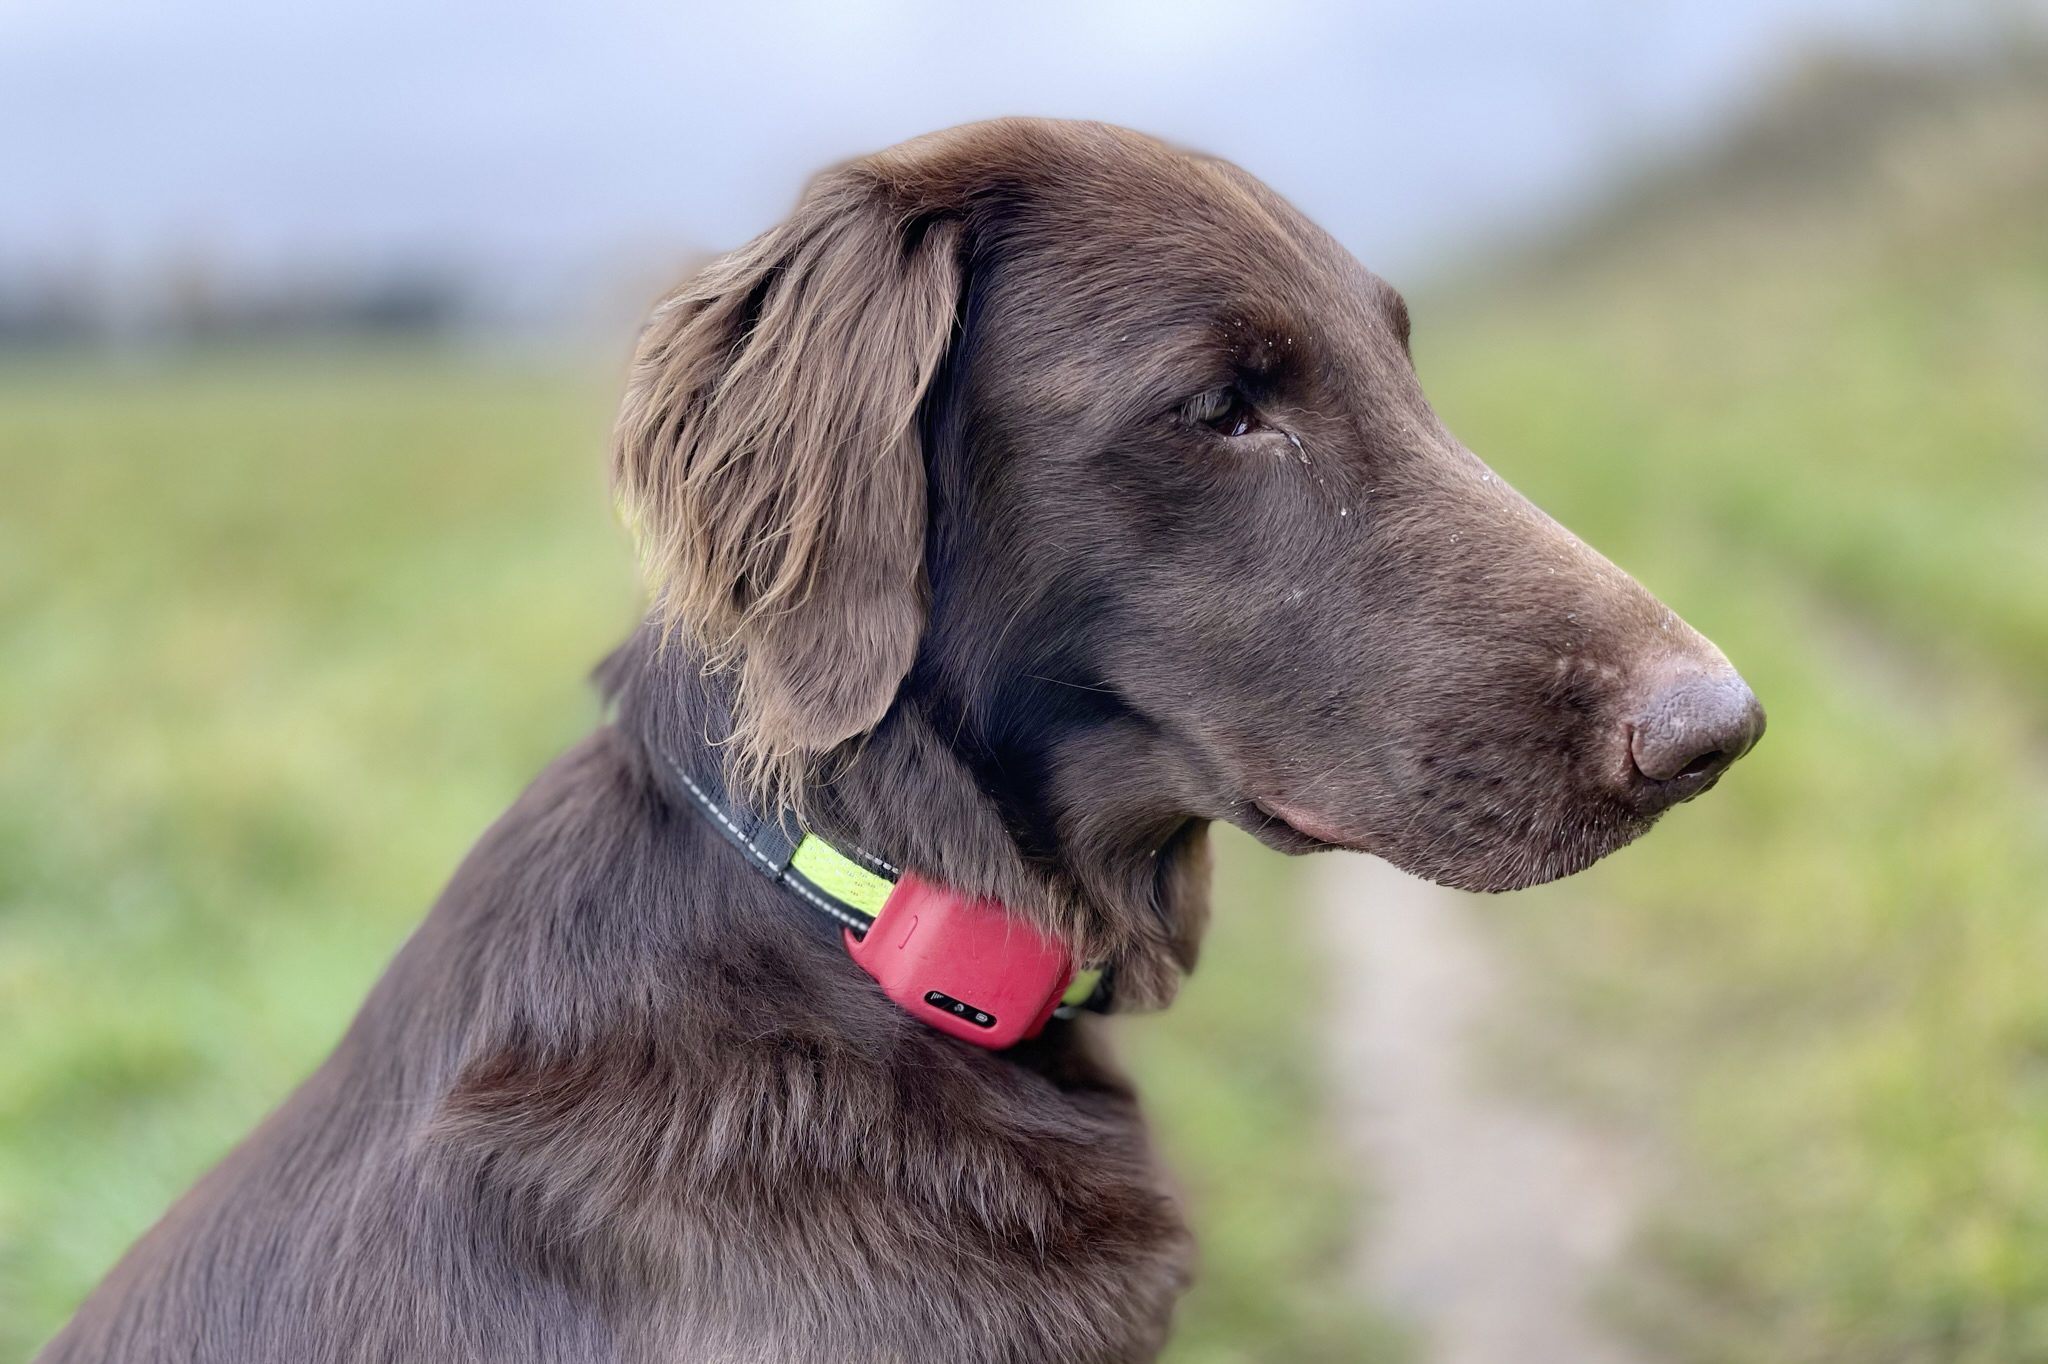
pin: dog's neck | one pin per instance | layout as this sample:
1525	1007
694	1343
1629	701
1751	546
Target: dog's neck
1066	836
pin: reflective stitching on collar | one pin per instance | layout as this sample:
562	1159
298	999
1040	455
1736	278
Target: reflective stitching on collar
711	807
875	863
880	864
834	910
698	794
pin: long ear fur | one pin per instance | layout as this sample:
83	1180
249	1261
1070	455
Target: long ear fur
767	457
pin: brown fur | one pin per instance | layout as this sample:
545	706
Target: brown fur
767	456
1035	496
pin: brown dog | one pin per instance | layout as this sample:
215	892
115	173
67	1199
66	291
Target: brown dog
1033	497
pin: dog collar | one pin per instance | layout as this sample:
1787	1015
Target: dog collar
966	967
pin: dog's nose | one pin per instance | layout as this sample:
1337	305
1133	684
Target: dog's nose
1691	729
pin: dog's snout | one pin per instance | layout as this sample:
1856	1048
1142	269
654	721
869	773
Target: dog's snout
1690	730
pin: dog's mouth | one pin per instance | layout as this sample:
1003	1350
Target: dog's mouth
1290	829
1552	851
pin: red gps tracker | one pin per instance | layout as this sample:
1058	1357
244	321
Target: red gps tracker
964	966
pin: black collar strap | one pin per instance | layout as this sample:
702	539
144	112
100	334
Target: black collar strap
843	881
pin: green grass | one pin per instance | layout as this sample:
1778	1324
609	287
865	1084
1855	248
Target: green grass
1822	435
278	638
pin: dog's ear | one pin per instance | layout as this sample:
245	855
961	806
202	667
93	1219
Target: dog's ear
767	456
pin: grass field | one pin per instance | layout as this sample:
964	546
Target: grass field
278	637
1816	421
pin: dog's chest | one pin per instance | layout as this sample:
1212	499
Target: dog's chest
940	1240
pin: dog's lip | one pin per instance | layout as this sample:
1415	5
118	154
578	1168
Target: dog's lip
1312	828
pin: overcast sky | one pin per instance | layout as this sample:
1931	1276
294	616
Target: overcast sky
551	142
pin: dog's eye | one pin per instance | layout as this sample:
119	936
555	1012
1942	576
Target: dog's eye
1223	410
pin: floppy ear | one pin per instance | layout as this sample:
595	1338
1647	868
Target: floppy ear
768	459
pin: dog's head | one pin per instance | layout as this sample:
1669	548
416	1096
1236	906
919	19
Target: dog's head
1106	455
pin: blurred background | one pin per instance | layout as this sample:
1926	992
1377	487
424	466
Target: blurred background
311	319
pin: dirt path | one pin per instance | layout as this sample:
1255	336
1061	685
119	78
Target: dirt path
1493	1216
